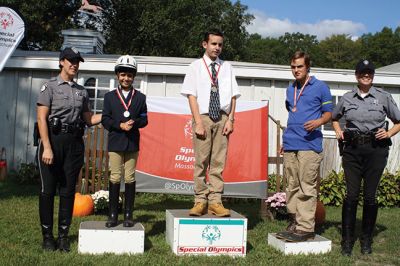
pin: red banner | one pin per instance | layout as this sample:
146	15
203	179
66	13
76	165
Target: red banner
166	154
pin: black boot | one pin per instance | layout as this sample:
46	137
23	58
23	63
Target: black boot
46	208
349	212
370	212
64	222
113	205
130	190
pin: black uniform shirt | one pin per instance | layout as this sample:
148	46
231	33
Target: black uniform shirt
66	100
368	113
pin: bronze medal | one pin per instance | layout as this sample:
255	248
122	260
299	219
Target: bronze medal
294	109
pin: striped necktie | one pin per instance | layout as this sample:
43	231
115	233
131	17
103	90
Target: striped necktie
215	106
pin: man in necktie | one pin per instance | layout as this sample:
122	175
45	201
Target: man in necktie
212	90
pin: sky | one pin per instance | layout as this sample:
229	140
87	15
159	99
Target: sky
322	18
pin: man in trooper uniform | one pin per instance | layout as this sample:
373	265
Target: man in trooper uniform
124	112
62	110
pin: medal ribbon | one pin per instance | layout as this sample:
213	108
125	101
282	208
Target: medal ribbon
213	81
122	100
296	99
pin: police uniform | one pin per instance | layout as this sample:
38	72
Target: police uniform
364	157
67	101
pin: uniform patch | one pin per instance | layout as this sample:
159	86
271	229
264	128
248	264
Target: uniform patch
75	50
44	87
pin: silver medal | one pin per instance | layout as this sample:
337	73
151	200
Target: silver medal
214	88
127	114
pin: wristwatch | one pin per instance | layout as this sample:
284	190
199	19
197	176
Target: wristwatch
232	119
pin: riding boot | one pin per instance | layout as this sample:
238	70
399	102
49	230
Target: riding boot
349	212
64	222
370	212
46	208
113	205
130	190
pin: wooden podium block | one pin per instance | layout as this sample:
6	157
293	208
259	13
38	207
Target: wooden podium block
316	246
95	238
207	234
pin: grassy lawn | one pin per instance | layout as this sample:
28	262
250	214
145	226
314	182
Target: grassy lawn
20	241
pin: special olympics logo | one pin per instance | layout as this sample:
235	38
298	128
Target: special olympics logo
188	129
6	20
211	234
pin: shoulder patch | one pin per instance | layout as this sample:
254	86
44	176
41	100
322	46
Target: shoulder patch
44	87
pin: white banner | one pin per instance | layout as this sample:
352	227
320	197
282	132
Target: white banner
12	29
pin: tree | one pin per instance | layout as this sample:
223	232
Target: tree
44	20
382	48
173	27
338	51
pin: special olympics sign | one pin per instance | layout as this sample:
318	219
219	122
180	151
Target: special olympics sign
12	29
166	160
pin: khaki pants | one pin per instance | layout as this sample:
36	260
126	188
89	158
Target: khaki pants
301	171
210	153
123	160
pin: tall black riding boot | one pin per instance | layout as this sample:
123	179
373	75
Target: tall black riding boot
113	205
349	212
130	190
64	222
370	212
46	208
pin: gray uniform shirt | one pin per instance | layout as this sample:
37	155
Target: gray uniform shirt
369	113
66	100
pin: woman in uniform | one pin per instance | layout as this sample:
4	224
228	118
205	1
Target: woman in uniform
366	140
62	112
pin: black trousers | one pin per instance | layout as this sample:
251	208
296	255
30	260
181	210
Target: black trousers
364	162
68	151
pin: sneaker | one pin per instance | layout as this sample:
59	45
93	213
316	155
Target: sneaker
218	209
199	209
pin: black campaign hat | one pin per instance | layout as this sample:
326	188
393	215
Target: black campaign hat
70	53
365	65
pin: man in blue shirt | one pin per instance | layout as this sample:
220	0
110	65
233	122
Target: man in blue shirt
309	103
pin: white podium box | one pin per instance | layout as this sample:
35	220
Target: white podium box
96	238
317	245
207	234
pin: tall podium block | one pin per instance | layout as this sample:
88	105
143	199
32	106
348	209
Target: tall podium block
318	245
95	238
207	234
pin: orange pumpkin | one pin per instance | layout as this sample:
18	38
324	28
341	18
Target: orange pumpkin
83	205
320	213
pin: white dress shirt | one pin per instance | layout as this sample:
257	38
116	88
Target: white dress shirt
197	82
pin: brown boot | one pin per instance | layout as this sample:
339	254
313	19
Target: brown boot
218	209
199	209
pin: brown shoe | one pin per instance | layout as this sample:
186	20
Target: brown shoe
218	209
299	236
292	223
198	209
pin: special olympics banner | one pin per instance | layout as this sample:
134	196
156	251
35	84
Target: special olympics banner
12	29
166	157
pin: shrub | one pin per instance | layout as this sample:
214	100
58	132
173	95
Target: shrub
272	183
27	173
333	190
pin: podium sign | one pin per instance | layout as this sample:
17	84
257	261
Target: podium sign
206	235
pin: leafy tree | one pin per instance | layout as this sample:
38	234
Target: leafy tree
173	27
383	47
338	51
44	20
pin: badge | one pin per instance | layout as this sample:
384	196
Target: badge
214	88
44	87
127	114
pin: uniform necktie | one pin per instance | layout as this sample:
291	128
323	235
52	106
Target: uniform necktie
214	107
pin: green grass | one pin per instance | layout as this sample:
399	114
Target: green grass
20	237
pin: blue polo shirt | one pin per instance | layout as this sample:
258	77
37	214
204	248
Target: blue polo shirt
315	100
